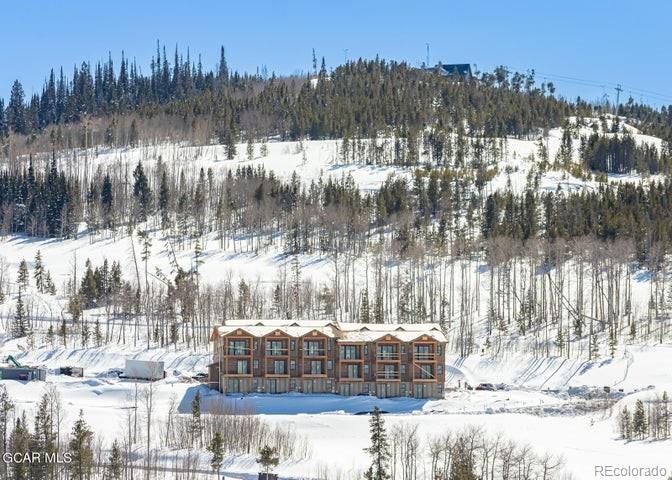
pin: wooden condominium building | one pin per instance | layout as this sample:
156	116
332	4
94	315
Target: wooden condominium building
312	356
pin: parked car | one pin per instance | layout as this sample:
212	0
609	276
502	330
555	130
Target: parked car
486	386
200	376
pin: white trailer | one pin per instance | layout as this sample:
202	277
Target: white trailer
144	370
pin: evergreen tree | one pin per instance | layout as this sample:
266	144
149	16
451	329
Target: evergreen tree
115	463
81	451
16	114
49	284
141	192
20	327
268	458
107	200
379	449
196	419
216	448
20	441
38	274
23	274
625	424
639	422
164	201
364	313
6	406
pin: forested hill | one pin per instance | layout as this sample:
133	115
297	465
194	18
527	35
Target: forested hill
373	192
363	98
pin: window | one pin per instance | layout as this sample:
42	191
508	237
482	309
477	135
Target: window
423	352
366	369
424	372
238	347
330	365
292	365
293	345
402	369
256	364
279	367
389	371
387	352
312	348
353	371
275	348
366	350
242	367
439	369
349	352
315	367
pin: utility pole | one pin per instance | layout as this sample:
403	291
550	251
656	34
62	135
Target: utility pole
619	89
427	58
345	55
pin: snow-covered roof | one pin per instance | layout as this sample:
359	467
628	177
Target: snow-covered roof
343	332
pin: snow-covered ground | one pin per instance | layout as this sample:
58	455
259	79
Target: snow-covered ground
544	401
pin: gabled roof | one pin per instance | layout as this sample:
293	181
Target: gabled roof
343	332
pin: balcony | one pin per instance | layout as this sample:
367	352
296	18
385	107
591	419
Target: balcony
424	356
388	356
387	375
424	373
277	352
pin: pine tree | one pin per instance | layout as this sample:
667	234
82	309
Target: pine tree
44	439
639	423
625	424
85	334
49	284
23	274
196	419
98	334
38	274
80	449
115	463
141	192
20	326
216	448
379	449
263	150
6	406
16	114
664	415
50	335
268	458
20	441
164	201
107	202
88	289
63	332
364	313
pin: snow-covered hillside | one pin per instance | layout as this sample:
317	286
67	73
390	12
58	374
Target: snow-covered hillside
555	402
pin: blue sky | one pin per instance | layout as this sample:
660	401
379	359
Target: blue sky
605	42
